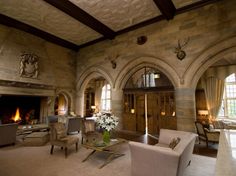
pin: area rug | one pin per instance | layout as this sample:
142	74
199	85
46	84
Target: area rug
37	161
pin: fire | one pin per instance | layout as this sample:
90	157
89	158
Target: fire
17	116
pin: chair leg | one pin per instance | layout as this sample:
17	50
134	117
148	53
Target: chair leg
76	146
52	149
66	152
207	143
82	141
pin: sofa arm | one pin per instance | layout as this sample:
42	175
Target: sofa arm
153	160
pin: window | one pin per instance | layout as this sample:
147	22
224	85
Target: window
228	106
106	98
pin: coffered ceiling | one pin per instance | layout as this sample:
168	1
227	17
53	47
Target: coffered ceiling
78	23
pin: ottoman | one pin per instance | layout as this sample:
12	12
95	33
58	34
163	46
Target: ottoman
36	139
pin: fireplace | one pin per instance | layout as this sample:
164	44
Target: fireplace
20	109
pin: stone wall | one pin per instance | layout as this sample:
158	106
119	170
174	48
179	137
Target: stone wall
211	31
56	66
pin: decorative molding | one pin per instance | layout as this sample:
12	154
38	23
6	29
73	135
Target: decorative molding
29	65
7	83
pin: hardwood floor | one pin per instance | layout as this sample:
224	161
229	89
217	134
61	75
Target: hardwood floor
199	149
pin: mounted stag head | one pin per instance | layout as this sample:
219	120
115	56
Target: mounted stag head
180	53
112	58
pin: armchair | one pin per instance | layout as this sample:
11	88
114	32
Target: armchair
73	124
59	137
160	159
206	134
89	132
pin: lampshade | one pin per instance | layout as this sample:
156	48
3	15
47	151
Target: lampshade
93	107
203	112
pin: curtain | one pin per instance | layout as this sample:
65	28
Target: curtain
214	90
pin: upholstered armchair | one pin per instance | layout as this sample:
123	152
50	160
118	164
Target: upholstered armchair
89	132
59	137
206	134
73	124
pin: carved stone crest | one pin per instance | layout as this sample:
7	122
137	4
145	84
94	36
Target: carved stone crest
29	65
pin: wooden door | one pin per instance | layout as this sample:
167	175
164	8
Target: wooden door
140	112
153	113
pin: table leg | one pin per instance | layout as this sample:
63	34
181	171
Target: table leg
111	157
89	155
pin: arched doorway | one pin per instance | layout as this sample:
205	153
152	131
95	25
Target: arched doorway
215	91
149	102
61	104
97	96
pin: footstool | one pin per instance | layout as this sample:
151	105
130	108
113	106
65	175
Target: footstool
36	139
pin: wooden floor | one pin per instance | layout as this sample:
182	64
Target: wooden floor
200	149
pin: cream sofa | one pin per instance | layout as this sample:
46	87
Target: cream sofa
159	159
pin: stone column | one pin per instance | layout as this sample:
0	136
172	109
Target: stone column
185	109
79	103
117	106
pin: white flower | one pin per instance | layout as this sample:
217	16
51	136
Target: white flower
107	121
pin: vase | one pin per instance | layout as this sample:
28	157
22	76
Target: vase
106	136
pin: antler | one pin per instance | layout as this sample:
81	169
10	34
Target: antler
185	43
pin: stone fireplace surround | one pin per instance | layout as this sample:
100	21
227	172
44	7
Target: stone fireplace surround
45	92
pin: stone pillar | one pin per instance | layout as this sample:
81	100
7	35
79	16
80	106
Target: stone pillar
117	106
79	103
185	109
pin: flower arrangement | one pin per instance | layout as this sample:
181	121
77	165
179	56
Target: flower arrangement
106	121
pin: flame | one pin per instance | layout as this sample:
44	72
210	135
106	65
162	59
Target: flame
17	116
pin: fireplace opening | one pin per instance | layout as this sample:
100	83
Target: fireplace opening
20	109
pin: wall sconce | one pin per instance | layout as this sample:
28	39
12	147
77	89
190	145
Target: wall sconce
132	111
157	75
173	114
163	113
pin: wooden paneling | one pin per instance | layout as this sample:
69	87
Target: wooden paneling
160	111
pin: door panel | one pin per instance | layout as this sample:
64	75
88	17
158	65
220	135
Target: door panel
140	113
152	113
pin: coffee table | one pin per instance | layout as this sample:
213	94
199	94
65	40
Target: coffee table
110	148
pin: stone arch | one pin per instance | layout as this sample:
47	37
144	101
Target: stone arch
207	58
68	97
139	63
83	80
91	73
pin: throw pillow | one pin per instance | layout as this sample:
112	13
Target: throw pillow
174	142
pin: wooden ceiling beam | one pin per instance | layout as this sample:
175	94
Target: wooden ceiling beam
5	20
181	10
74	11
166	7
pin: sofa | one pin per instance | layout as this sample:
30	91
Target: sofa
8	133
160	159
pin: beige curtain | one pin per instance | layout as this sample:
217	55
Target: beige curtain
214	90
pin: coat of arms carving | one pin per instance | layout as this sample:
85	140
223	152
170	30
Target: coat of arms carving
29	65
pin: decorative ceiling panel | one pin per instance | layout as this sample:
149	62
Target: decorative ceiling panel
182	3
119	14
41	15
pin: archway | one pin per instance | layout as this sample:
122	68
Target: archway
149	102
62	103
97	96
87	84
209	106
